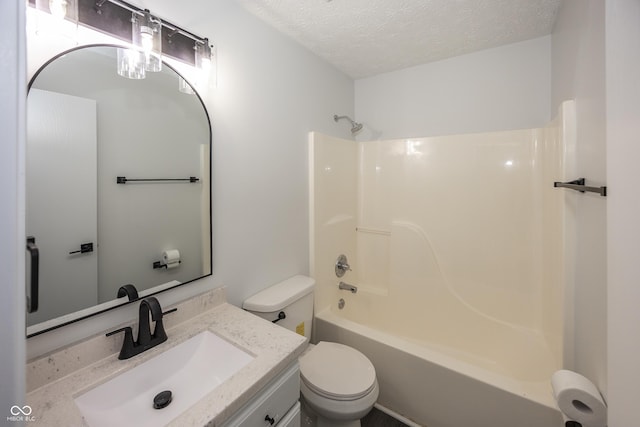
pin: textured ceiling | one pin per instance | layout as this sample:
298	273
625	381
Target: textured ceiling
368	37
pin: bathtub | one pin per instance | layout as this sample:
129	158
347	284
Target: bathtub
441	386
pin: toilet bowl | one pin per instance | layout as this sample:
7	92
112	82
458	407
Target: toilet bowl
338	383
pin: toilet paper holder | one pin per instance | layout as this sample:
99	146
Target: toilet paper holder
170	259
160	264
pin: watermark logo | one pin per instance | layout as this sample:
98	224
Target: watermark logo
21	413
25	410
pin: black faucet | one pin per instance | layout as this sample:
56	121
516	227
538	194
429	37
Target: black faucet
146	339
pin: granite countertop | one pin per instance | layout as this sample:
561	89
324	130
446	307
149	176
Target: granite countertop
55	380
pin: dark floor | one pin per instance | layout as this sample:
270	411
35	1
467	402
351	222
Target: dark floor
377	418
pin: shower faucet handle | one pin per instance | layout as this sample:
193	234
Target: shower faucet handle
342	265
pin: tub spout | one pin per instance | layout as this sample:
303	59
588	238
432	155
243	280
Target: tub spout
348	287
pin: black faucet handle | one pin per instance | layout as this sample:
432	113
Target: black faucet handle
128	345
159	332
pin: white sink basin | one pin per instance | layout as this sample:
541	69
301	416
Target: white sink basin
189	370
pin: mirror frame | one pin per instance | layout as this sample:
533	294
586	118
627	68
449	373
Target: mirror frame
124	303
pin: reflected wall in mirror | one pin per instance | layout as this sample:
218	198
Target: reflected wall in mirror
86	126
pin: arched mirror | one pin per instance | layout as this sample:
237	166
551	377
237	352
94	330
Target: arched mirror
118	174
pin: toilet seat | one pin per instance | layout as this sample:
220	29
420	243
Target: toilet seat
337	372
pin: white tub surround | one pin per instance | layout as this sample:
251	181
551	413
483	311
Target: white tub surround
55	380
458	247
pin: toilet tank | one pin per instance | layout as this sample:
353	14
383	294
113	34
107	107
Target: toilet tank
293	297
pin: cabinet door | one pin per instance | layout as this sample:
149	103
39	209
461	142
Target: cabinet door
272	404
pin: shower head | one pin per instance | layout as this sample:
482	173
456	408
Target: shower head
355	126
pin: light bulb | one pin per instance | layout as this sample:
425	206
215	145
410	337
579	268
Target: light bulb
206	65
56	19
146	38
58	8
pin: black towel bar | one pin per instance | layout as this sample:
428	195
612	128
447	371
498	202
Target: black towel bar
579	185
124	179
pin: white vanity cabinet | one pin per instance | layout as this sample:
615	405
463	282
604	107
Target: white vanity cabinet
275	405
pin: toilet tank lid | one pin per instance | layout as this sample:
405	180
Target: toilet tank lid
280	295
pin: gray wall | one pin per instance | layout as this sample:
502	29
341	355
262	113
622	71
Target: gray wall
12	236
503	88
578	72
623	209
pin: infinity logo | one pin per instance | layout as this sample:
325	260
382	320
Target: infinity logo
25	410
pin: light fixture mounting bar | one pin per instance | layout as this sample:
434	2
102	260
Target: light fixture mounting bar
173	27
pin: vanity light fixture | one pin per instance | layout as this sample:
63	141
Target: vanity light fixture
147	37
152	37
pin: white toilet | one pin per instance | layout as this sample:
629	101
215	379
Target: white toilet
337	383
